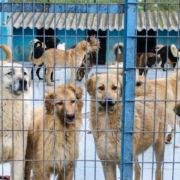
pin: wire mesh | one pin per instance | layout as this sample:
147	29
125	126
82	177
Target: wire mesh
89	90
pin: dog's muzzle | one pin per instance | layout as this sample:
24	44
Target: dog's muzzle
70	117
19	86
107	101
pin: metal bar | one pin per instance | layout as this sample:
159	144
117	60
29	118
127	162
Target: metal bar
128	90
62	8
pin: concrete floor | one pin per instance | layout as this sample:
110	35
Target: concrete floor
88	165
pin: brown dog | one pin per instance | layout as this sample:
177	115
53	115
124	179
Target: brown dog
165	90
145	61
54	137
106	125
70	58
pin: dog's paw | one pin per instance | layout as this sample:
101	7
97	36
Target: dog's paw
169	139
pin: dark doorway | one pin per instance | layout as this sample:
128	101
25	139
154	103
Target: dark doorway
102	51
44	34
145	42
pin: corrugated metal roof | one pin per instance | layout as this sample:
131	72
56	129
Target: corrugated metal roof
146	20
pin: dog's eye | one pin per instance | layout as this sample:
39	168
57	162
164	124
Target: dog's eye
25	73
101	88
73	101
60	103
114	87
11	73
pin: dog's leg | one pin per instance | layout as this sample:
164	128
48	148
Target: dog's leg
159	151
72	74
17	165
69	172
137	169
109	169
52	77
37	72
48	75
141	71
32	72
162	66
41	172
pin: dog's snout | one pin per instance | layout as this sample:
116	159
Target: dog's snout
108	101
23	83
70	116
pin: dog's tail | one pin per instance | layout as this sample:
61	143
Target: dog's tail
8	52
174	51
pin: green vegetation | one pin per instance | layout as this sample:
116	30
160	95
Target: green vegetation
152	5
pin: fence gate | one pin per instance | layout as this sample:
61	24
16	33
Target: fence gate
89	90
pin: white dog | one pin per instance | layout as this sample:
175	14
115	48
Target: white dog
15	114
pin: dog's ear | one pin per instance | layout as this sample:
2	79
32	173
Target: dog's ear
77	90
89	85
49	101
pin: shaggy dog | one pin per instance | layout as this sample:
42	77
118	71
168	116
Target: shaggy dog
69	58
8	52
165	90
53	138
106	125
145	61
15	116
38	50
170	54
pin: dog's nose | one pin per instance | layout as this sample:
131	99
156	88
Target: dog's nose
108	101
23	83
70	116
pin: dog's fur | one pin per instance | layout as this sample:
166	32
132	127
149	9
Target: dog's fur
165	89
108	143
145	61
169	54
157	48
8	52
119	52
116	68
15	114
55	132
72	57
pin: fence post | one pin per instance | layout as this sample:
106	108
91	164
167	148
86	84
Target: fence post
128	90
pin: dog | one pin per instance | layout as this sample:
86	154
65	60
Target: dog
165	90
55	132
108	97
119	52
15	114
8	52
170	54
69	58
86	65
144	61
38	50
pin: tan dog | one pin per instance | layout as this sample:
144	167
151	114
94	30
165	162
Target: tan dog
15	114
108	144
55	136
165	90
8	52
70	58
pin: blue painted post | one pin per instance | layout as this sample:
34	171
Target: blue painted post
128	90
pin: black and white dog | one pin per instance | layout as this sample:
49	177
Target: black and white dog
39	49
168	54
